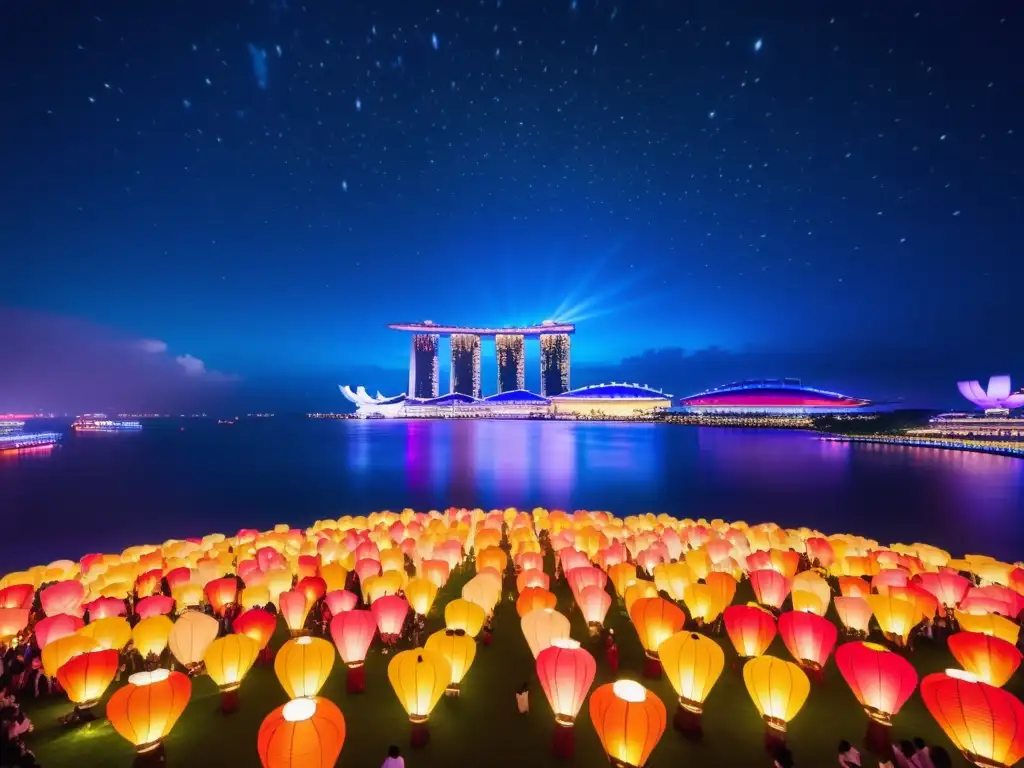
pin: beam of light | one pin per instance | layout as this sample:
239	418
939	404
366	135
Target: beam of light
612	297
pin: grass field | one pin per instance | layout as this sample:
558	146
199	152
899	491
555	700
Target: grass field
482	726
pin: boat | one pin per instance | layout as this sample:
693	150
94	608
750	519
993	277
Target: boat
99	422
25	441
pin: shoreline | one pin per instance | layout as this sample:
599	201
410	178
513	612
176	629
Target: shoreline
1015	450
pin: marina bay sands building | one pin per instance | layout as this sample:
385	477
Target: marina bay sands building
510	348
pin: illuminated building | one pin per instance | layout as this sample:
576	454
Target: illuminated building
424	380
985	427
554	364
465	377
511	352
769	397
996	400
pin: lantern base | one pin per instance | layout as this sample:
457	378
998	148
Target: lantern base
815	674
228	702
420	734
652	668
774	740
563	742
77	716
878	740
688	723
153	758
452	690
355	679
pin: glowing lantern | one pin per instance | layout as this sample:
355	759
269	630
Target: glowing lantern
17	596
145	710
532	579
566	673
882	682
190	636
703	602
436	571
895	616
111	632
419	678
188	594
421	593
484	591
257	624
854	613
493	557
221	593
693	664
655	620
387	583
594	603
304	733
86	676
751	629
390	612
352	633
255	596
341	600
984	722
55	627
303	665
63	597
853	586
622	576
150	635
991	659
228	660
313	587
629	720
294	609
638	590
148	583
154	605
771	588
458	649
808	637
778	689
542	627
334	575
464	615
534	598
989	624
58	652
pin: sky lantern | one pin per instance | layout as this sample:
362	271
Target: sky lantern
458	649
638	590
58	652
585	576
629	720
483	591
154	605
594	603
542	627
622	575
699	563
352	633
751	629
390	612
778	689
534	578
294	609
148	583
673	578
464	615
565	672
420	593
104	607
533	598
493	557
303	733
655	620
820	552
808	637
188	594
436	571
853	586
530	561
882	682
854	613
703	603
221	593
990	659
989	624
367	567
190	636
87	676
815	594
150	635
895	616
145	710
111	632
994	598
984	722
419	678
693	663
889	577
925	602
303	665
257	623
341	600
334	575
55	627
17	596
387	583
228	660
771	588
63	597
255	596
313	587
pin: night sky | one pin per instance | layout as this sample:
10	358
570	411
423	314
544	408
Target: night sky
229	192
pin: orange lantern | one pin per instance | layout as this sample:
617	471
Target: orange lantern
808	637
352	633
542	627
303	665
854	613
55	627
458	649
566	673
436	571
87	676
629	720
532	578
390	612
655	620
751	629
228	660
294	610
12	622
991	659
853	586
221	593
303	733
594	603
150	635
419	678
59	652
257	624
693	663
771	588
622	576
17	596
313	587
534	598
778	689
882	681
984	722
145	710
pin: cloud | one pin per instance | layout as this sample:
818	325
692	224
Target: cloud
193	365
153	346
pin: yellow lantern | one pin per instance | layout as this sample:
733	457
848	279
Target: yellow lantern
464	615
113	632
542	626
256	596
458	649
58	652
778	689
419	678
190	636
991	624
673	578
895	616
693	664
303	665
704	602
150	635
188	595
622	576
638	590
420	592
228	660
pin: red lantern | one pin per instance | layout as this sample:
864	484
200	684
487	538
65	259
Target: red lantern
389	612
341	600
221	593
882	681
585	576
63	597
87	676
17	596
313	587
991	659
154	605
258	624
948	588
105	607
148	583
751	629
352	633
808	637
178	576
770	587
566	673
984	722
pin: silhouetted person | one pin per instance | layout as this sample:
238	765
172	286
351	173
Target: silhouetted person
394	758
849	757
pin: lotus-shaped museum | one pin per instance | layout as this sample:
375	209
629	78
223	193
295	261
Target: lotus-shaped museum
996	399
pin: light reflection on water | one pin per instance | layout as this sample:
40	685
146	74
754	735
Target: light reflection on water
108	494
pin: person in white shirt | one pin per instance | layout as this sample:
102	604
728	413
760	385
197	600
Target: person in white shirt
394	758
523	699
849	757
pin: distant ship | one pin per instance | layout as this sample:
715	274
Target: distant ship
99	422
25	441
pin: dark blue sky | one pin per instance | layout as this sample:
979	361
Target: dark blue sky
264	185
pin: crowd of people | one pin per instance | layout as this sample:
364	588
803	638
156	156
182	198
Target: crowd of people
17	677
